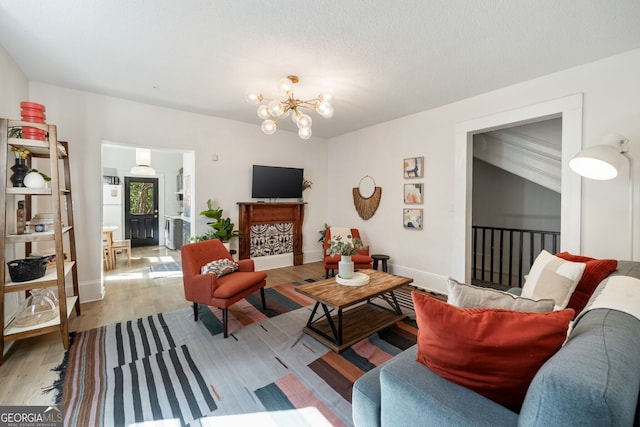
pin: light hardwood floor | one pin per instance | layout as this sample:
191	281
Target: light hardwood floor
130	293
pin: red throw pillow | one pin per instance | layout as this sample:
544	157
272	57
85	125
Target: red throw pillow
494	352
594	273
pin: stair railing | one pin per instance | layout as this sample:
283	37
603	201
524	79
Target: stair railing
501	256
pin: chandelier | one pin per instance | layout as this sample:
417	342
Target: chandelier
272	110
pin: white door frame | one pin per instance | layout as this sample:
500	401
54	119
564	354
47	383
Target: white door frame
569	108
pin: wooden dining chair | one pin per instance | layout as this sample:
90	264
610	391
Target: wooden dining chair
121	245
106	256
107	253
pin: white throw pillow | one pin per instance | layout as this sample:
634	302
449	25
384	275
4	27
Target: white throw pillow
552	277
469	296
621	293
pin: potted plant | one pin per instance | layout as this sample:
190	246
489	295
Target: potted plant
221	228
305	185
44	176
323	233
346	248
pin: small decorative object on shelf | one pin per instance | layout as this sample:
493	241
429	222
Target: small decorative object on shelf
22	270
20	170
34	113
38	308
34	180
21	219
39	228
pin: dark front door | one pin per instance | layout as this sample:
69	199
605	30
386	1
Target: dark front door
141	211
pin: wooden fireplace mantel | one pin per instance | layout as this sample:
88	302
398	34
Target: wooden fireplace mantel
251	213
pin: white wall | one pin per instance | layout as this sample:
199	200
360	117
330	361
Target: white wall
86	119
611	90
502	199
14	88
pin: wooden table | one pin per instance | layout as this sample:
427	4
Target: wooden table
357	316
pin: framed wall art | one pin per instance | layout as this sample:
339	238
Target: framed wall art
413	193
413	167
412	218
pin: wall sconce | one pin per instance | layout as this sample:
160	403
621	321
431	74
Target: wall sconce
604	162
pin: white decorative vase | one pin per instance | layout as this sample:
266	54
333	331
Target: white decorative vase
34	180
345	267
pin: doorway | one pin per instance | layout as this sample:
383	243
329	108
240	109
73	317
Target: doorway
569	109
516	202
141	223
117	162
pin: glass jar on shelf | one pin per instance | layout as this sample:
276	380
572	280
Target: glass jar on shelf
37	308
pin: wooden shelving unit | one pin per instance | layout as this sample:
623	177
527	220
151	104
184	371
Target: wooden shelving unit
61	233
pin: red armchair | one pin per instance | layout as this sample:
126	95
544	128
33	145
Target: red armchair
361	260
219	292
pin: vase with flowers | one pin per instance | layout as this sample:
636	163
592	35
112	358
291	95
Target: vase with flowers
350	246
20	167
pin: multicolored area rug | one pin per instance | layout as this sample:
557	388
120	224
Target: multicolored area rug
167	366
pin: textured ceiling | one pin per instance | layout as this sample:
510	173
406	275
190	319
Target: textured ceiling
381	59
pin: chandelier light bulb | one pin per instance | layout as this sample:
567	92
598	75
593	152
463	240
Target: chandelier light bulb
269	127
285	86
326	96
325	109
304	121
263	112
304	133
253	97
276	108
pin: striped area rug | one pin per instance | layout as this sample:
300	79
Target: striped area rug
167	366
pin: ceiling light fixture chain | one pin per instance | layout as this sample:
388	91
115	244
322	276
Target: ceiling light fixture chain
272	110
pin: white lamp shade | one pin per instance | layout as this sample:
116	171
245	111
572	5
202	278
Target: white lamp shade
143	157
143	170
143	163
601	162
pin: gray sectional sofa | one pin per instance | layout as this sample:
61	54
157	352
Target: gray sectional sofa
593	380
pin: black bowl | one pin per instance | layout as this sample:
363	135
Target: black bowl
22	270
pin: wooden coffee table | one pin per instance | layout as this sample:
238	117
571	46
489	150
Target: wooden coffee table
357	316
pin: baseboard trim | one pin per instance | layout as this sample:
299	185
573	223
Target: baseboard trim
89	291
422	279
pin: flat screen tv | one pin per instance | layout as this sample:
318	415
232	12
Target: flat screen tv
274	182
